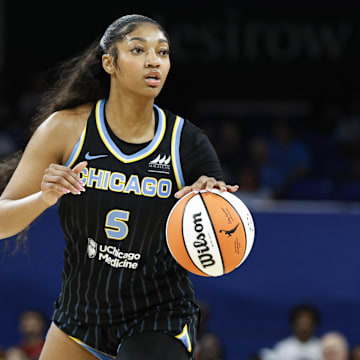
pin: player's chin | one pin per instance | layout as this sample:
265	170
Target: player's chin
154	90
148	93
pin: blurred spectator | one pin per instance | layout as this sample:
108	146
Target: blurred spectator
7	144
208	344
259	155
334	346
231	149
2	354
250	186
303	343
347	130
15	353
209	348
347	136
204	319
282	159
32	327
355	352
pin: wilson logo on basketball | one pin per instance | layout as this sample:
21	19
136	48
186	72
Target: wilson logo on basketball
206	259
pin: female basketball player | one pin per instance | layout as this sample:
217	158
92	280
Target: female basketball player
117	162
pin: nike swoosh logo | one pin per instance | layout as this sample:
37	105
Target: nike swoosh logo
93	157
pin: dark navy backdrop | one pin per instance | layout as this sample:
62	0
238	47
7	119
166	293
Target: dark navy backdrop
296	257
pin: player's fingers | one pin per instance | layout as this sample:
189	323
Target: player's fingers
210	183
73	179
182	192
55	168
232	188
65	177
198	185
203	182
60	190
79	167
65	182
224	187
68	174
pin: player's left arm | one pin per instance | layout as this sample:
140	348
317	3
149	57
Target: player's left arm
200	163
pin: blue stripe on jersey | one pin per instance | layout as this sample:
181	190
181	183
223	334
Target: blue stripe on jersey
69	288
142	325
76	150
172	297
107	296
121	298
86	335
97	293
175	152
61	316
78	287
87	293
113	148
156	317
144	288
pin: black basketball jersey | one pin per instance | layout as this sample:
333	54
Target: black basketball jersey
116	261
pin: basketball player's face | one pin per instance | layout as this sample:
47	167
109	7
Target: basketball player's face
143	61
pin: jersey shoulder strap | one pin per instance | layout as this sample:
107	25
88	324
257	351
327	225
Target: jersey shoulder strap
80	143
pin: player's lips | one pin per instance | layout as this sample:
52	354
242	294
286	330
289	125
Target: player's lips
153	78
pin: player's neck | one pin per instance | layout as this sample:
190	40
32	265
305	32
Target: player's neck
131	119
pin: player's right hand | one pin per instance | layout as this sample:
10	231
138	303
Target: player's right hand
59	180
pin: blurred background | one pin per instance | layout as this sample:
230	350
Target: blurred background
277	90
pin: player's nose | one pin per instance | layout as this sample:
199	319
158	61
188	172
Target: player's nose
152	59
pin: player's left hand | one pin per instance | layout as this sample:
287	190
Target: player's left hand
208	183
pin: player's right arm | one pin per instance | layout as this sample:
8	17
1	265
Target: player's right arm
39	179
201	166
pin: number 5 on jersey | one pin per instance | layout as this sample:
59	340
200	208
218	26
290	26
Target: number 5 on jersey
115	224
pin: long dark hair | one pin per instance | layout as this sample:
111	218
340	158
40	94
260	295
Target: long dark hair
80	80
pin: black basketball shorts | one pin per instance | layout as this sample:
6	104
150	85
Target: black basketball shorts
106	341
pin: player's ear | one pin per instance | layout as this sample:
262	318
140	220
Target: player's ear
108	63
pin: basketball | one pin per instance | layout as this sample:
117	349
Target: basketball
210	233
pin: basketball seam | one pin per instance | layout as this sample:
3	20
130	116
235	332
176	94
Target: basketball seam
240	220
218	244
183	237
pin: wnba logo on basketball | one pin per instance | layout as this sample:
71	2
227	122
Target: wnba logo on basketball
210	233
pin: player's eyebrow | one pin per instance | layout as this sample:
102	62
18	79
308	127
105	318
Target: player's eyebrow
144	40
